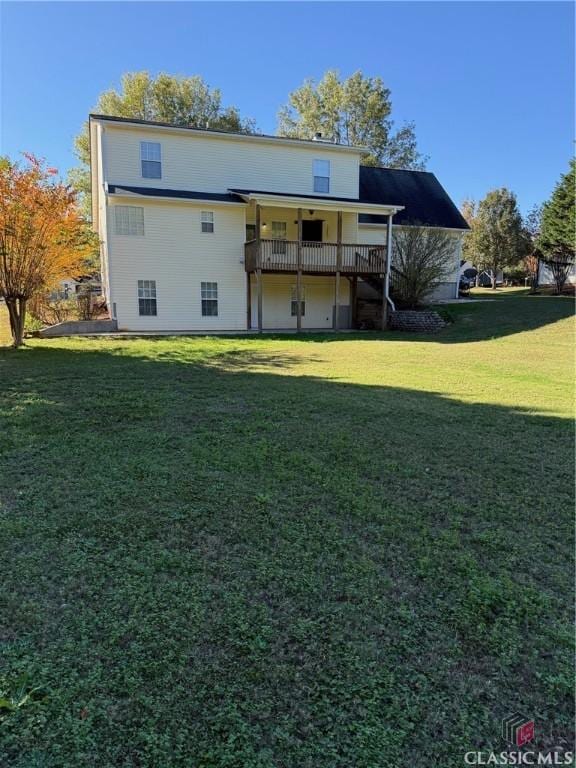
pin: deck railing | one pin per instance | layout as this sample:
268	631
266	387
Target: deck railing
313	257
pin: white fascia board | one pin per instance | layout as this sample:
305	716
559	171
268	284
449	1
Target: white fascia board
375	225
94	179
324	204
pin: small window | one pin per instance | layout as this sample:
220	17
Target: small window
250	232
278	235
147	297
294	302
209	292
151	160
321	175
128	220
207	219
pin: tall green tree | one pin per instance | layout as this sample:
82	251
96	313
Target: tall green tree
355	110
498	234
533	255
557	239
166	98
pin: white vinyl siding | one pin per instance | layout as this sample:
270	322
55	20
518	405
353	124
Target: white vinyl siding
278	291
209	292
218	163
180	257
207	221
128	220
321	169
151	160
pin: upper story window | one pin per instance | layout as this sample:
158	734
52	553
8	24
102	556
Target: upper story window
128	220
151	159
207	221
321	175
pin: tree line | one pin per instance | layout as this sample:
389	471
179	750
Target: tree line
500	238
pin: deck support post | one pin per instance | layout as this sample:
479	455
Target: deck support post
259	266
259	283
248	301
338	268
353	301
299	275
386	279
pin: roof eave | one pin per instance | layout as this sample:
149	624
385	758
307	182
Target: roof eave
182	129
295	201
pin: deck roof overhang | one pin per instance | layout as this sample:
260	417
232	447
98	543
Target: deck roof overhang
173	195
285	200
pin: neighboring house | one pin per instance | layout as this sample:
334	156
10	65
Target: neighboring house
208	230
71	287
545	276
485	278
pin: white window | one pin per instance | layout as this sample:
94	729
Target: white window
147	297
278	235
128	220
294	302
321	175
151	159
207	219
209	294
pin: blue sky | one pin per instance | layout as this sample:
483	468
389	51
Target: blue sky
489	85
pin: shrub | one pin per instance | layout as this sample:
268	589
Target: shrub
421	261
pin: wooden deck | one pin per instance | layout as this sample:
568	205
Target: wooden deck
314	258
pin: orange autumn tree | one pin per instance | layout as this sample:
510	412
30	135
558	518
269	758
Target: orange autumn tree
42	235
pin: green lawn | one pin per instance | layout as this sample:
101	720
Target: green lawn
326	552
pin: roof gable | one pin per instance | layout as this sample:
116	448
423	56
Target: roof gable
425	200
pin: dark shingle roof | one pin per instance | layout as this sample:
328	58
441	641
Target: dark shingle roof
424	199
180	193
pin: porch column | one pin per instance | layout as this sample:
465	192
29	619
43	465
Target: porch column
353	300
386	280
338	268
259	268
249	300
299	275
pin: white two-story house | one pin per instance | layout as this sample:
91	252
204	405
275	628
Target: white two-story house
205	230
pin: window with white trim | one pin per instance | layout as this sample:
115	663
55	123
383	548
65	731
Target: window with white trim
151	160
147	297
321	175
279	229
207	221
128	220
294	302
209	295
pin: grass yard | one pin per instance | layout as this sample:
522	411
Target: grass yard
325	552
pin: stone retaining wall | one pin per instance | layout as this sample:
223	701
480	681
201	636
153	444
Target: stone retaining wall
74	327
426	321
